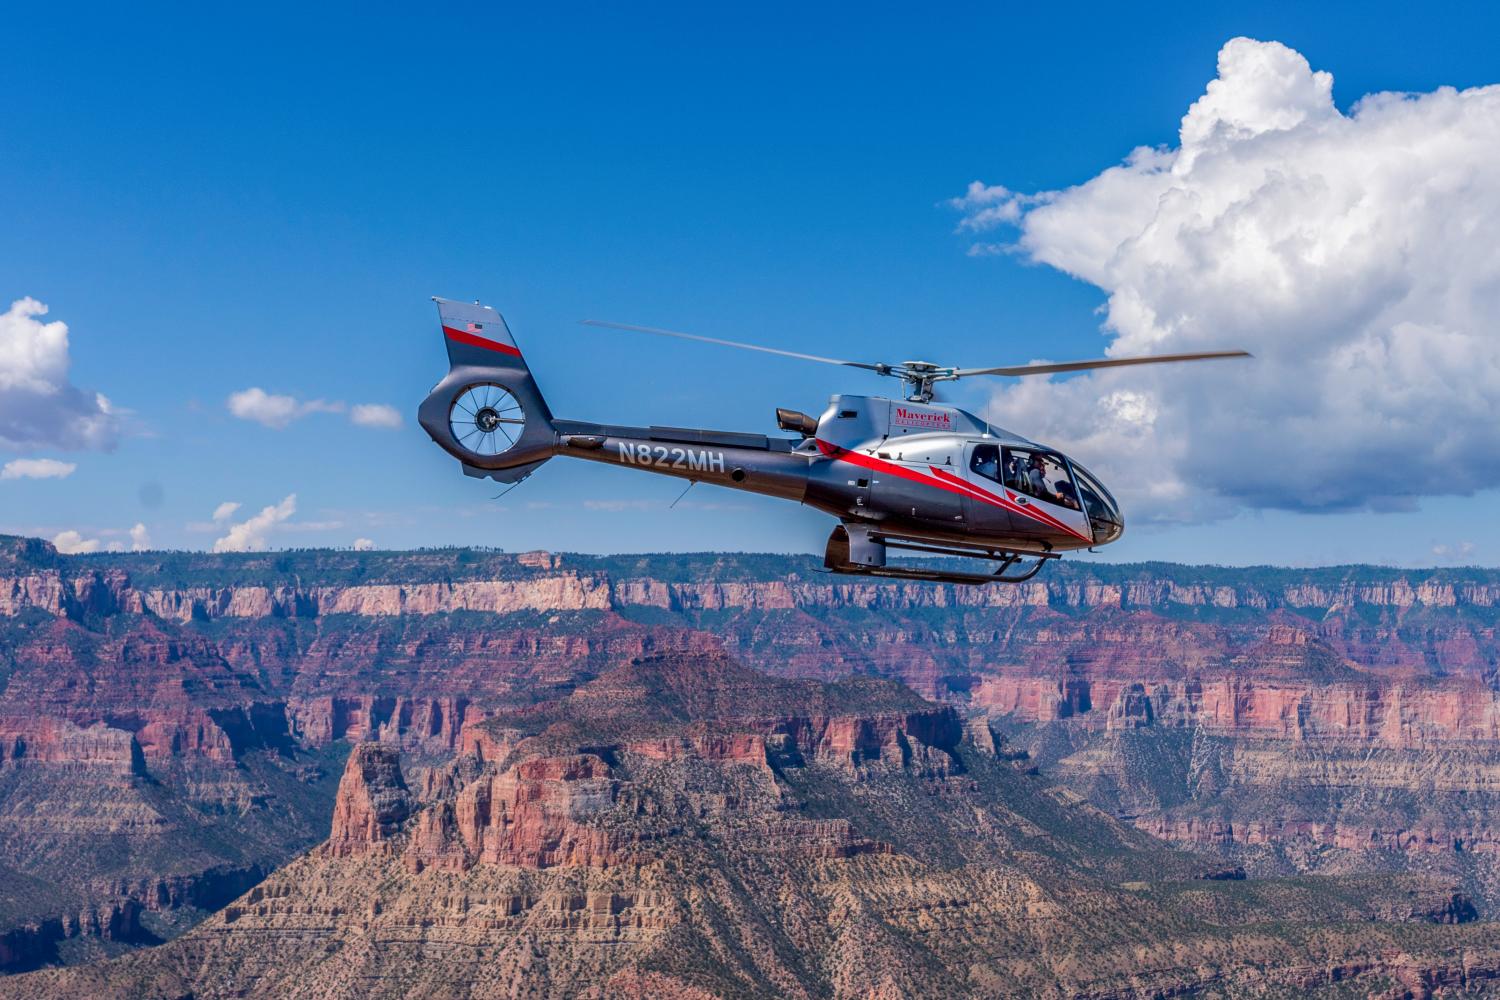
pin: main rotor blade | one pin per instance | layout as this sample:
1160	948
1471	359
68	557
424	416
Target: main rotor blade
1078	366
734	343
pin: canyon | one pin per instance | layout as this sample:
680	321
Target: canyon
682	826
174	726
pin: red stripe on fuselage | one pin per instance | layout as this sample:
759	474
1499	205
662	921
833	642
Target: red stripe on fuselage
1009	503
475	341
944	480
875	464
978	492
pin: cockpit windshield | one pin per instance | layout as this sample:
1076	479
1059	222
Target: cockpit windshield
1040	474
1103	512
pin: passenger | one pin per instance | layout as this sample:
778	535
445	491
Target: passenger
1036	479
1066	495
1015	473
987	463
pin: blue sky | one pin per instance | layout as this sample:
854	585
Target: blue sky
218	199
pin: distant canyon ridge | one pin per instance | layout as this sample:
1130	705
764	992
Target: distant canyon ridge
174	726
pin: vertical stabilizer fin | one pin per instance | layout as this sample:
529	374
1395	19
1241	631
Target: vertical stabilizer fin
488	412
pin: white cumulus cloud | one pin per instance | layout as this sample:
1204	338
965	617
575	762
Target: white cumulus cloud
1354	254
1455	552
252	534
39	407
276	412
76	543
37	468
225	510
375	415
72	543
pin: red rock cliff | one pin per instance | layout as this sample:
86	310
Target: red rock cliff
372	801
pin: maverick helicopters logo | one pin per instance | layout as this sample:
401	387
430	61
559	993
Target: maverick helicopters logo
928	420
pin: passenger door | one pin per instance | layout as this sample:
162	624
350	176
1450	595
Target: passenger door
982	468
916	497
1041	483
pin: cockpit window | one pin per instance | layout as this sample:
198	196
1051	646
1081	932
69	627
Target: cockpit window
1039	474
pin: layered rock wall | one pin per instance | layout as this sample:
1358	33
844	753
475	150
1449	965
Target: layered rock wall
1391	713
158	682
551	584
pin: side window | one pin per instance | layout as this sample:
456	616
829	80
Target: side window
1041	475
986	461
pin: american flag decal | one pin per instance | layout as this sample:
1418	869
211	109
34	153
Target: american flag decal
474	327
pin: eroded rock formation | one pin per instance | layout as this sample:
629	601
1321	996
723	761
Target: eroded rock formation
199	707
680	827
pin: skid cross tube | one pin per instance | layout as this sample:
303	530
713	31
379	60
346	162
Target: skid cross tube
1005	559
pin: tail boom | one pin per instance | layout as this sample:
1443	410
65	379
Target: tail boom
749	462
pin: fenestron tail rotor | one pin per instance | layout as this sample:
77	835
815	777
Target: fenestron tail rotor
921	376
486	418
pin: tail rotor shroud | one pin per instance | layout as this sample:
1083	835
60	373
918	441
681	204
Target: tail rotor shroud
487	419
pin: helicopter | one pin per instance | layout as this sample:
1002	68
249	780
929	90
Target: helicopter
908	474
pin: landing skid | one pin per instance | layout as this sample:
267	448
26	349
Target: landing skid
859	550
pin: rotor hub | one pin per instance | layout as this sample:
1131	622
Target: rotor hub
920	376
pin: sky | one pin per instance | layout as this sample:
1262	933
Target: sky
234	220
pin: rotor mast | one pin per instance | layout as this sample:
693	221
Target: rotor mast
919	378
